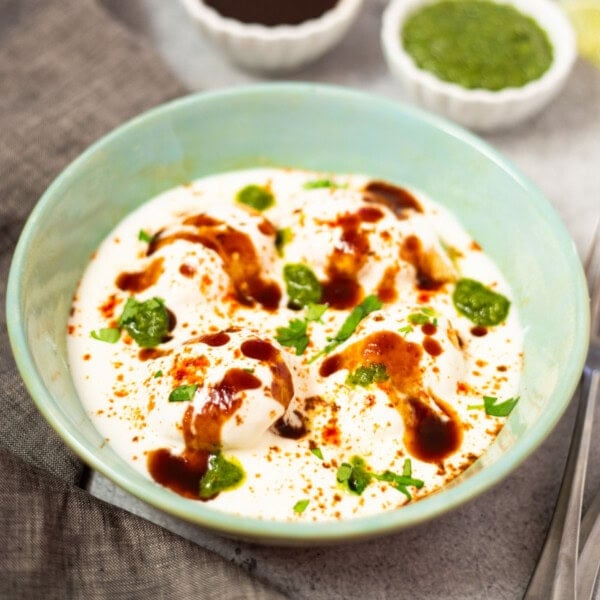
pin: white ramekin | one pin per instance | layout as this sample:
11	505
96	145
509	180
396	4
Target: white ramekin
274	49
480	109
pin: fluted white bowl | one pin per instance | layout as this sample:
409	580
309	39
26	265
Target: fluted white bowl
480	109
279	48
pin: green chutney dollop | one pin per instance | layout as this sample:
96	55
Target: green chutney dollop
477	44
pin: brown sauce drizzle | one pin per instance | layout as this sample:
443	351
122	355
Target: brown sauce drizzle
431	435
282	386
240	260
214	339
141	280
386	290
272	12
431	346
202	220
431	271
397	199
479	331
429	329
341	289
152	353
180	473
287	429
222	404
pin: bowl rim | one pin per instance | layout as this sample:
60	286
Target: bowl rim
342	12
296	533
561	36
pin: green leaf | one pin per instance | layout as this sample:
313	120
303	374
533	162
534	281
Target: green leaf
144	237
314	312
301	505
425	316
480	304
367	306
302	285
256	196
365	375
321	183
110	335
146	322
157	374
317	452
343	473
183	393
294	335
402	482
282	237
502	409
222	474
354	476
405	330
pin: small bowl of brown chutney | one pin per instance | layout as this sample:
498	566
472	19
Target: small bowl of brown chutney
273	35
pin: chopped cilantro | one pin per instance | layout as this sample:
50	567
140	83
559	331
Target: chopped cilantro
317	452
302	285
365	375
321	183
425	316
256	196
110	335
144	237
249	370
356	477
301	505
401	482
493	408
294	335
314	312
222	474
367	306
183	393
405	330
480	304
146	322
157	374
282	237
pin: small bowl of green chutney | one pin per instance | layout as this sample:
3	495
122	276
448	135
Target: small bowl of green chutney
486	64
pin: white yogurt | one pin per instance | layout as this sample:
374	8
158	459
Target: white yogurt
215	265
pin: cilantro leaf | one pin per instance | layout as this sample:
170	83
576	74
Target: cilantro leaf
354	475
302	285
480	304
110	335
282	237
425	316
317	452
294	335
314	312
405	330
256	196
144	237
502	409
301	505
367	306
365	375
222	474
321	183
402	482
183	393
146	322
157	374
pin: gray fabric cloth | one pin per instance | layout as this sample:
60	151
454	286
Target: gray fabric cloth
68	74
57	541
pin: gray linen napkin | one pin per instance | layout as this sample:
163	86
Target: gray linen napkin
68	74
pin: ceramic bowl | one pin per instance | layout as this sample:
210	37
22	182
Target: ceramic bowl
274	49
480	109
311	127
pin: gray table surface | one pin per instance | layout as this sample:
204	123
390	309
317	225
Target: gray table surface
487	548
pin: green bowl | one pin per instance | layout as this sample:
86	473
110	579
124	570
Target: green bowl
312	127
